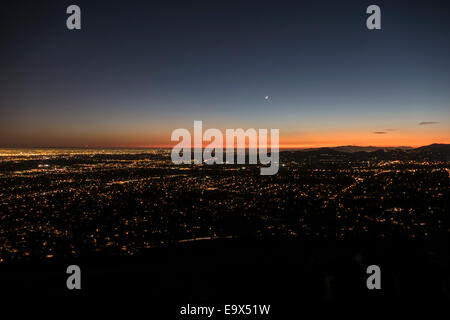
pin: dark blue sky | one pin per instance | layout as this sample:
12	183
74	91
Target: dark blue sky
139	69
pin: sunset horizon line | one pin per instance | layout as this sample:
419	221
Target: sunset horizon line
305	147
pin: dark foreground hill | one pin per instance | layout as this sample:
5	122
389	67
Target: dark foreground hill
285	274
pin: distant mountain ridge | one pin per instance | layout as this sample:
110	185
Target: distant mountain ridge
435	147
358	148
435	152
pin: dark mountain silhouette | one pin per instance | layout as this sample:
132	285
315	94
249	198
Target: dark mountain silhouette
433	152
359	149
435	147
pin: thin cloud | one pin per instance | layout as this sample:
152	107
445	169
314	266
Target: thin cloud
390	129
379	132
428	122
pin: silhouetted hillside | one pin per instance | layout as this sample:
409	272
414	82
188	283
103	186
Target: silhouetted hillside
433	152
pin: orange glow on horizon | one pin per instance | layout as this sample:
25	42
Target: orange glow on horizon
414	137
329	139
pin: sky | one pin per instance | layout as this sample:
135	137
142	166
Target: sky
137	70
